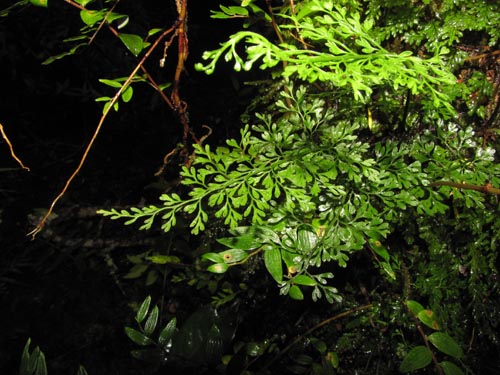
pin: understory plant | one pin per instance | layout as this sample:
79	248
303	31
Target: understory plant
370	149
362	147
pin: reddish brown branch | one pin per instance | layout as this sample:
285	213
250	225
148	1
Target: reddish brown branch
487	188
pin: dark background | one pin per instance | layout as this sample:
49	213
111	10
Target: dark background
59	289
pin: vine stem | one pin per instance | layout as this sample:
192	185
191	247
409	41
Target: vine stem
115	98
316	327
11	148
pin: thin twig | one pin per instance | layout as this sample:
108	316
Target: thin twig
12	153
487	188
316	327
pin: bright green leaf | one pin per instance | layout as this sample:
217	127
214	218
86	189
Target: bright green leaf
40	3
304	280
84	3
111	82
133	42
127	94
296	293
91	17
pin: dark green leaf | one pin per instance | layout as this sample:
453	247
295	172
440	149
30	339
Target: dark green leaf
25	359
167	332
82	371
417	358
449	368
428	318
164	259
272	261
143	310
234	255
136	271
213	257
414	307
213	344
151	322
245	242
41	366
446	344
138	337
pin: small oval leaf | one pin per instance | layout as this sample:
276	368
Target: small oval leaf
272	260
414	306
296	293
417	358
444	343
304	280
127	94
